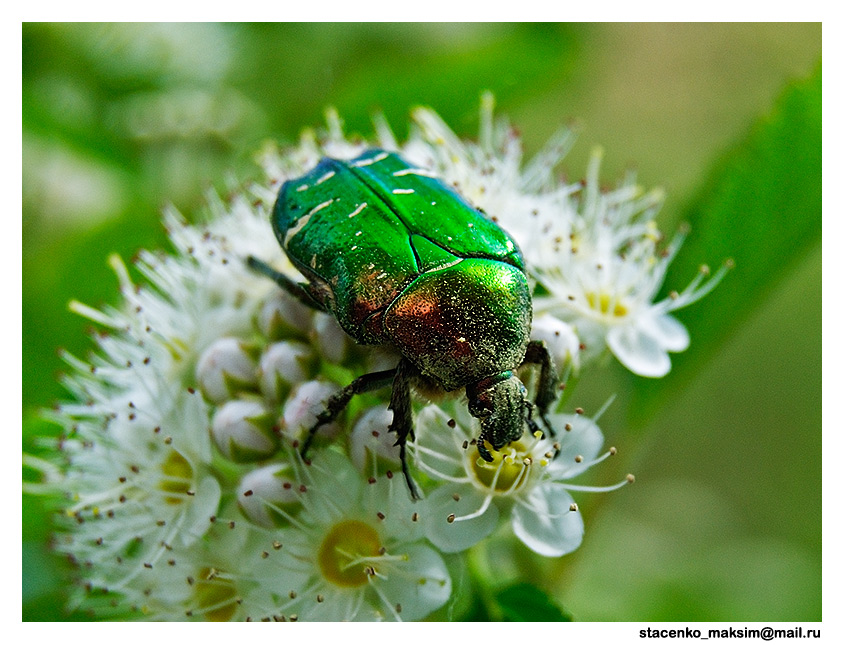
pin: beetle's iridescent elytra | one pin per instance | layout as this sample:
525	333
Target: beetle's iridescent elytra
401	259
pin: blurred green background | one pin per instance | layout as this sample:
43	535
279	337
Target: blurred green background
724	522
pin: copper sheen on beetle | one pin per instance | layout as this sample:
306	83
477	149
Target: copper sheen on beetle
401	259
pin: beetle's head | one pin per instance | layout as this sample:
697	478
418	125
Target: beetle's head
499	402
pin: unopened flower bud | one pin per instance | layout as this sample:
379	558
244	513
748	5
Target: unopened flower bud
243	431
226	367
370	439
561	340
301	410
282	315
282	365
265	494
330	339
381	358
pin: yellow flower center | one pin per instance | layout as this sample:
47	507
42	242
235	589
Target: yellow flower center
178	475
507	472
344	552
605	304
215	595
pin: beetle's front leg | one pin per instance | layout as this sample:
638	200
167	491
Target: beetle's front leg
337	402
403	422
547	385
482	449
532	425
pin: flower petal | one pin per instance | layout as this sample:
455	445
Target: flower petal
203	505
544	523
345	481
560	338
457	535
639	351
583	440
336	605
419	585
437	444
672	334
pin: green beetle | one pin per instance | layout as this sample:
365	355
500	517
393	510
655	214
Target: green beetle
401	259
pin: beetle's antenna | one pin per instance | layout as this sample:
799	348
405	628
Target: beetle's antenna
294	288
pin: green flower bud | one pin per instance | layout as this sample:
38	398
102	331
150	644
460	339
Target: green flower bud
281	315
301	410
370	439
282	365
331	340
560	338
226	367
244	431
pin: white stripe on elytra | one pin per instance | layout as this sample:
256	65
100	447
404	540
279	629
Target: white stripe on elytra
325	177
422	172
302	221
371	160
358	210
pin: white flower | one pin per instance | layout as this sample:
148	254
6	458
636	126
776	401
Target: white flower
527	481
138	476
186	497
596	255
209	581
354	551
281	316
370	439
330	340
604	276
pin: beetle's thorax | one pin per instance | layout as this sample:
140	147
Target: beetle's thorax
462	323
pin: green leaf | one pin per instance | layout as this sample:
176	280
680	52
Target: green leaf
523	602
762	208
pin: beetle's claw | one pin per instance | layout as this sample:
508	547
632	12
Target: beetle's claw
415	494
529	421
533	427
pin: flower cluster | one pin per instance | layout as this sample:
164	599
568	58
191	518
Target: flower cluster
187	493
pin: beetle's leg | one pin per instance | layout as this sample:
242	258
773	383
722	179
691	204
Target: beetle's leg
403	422
538	354
482	449
532	424
296	289
336	403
